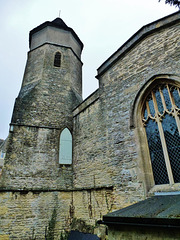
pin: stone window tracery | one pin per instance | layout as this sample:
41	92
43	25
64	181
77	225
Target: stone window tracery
57	59
161	120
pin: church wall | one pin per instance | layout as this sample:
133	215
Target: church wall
29	214
121	83
98	159
106	149
90	148
141	233
98	162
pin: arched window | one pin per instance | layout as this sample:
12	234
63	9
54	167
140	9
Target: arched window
160	118
65	151
57	59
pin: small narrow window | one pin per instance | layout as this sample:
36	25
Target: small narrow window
2	155
65	151
57	59
162	124
11	129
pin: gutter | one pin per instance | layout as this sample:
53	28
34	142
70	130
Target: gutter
108	223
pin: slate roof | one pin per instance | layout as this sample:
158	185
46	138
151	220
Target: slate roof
157	211
57	23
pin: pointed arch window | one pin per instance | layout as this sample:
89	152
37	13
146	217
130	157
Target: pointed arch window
161	120
65	150
57	59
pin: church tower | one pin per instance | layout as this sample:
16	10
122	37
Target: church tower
51	88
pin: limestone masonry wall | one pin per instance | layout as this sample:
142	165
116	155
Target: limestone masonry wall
141	233
42	110
25	215
105	147
49	92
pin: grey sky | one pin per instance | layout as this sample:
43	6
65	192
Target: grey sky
102	25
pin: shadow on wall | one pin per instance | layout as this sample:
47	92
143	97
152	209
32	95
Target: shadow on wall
76	235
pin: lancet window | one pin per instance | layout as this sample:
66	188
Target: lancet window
161	119
57	59
65	150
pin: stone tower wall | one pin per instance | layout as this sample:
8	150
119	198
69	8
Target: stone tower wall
49	92
42	110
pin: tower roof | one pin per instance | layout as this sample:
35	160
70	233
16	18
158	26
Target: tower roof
57	23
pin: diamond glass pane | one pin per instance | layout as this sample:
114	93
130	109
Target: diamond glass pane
176	97
173	145
159	102
151	106
145	113
167	99
156	153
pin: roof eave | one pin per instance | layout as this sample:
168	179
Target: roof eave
53	24
136	38
141	222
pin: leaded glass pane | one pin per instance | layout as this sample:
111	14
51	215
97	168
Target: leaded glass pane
163	129
159	102
167	99
176	97
151	106
173	144
156	153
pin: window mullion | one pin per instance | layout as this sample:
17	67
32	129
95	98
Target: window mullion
148	109
163	100
174	111
178	91
163	141
177	120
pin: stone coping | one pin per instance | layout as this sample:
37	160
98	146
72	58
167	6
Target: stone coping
86	103
136	38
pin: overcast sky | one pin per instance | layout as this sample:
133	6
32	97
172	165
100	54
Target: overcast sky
102	25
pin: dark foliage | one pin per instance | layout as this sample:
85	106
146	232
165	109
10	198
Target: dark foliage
175	3
49	231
